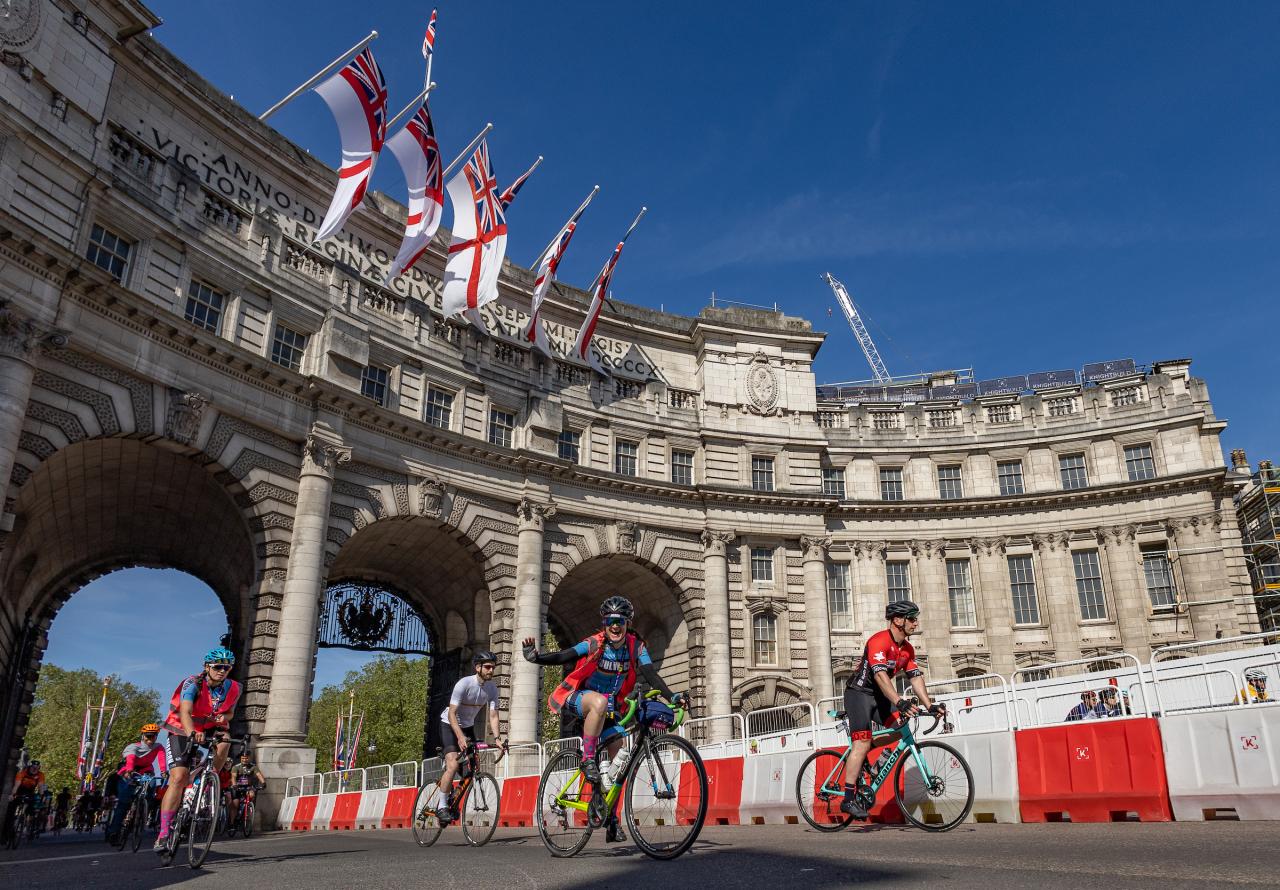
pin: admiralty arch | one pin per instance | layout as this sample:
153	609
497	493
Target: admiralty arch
186	382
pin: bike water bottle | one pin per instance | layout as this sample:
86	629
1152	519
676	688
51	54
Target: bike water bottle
189	795
606	776
619	766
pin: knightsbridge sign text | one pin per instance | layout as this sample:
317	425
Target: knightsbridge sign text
297	220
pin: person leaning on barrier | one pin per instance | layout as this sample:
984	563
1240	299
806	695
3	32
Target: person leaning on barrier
1087	709
1109	704
1255	688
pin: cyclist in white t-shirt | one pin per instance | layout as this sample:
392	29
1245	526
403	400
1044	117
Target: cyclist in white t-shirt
457	723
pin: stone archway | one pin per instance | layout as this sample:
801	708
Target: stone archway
102	504
762	693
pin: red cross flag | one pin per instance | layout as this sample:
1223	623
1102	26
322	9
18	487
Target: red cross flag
418	152
582	348
479	237
357	96
534	333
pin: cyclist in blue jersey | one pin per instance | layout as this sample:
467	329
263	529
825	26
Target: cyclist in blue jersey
607	667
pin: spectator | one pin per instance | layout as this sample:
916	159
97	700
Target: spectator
1109	703
1255	688
1087	709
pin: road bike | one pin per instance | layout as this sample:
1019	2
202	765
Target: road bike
663	784
22	829
196	821
241	816
475	798
137	817
933	786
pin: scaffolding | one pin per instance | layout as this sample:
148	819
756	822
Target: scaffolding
1259	509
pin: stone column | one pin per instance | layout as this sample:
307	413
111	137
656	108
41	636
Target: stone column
996	608
929	591
817	618
718	658
21	339
1128	587
1059	601
526	696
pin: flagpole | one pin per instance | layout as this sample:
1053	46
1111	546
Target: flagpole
417	100
466	151
373	35
552	242
529	172
635	222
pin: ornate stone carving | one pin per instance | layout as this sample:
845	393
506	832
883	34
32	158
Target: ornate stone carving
320	455
762	386
431	493
869	549
626	536
531	514
19	22
815	547
989	546
716	542
1116	533
927	549
185	412
19	336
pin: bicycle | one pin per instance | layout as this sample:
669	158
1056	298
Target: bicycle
654	784
20	828
933	787
241	816
475	797
138	815
197	818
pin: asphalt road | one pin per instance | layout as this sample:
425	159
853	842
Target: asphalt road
990	857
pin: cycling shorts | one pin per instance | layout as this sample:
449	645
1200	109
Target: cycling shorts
863	708
572	721
449	741
177	748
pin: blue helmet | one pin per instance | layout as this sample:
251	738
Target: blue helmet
220	655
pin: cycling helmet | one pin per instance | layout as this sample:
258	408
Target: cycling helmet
220	655
148	727
617	605
483	656
901	609
35	764
1255	674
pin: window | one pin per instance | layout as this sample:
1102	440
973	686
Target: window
501	425
204	306
762	473
950	485
833	481
1009	473
1139	462
1074	474
1022	583
891	484
1093	603
838	602
897	577
762	564
624	457
1159	575
288	347
373	383
568	445
110	251
439	407
764	635
967	683
960	594
682	467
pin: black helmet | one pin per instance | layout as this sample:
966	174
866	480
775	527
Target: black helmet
617	605
901	609
483	656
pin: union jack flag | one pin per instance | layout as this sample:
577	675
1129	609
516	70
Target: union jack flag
514	189
547	265
429	41
418	152
490	207
582	348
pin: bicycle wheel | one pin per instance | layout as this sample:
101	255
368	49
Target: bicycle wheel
665	796
941	800
564	830
479	810
820	790
426	825
204	820
246	818
141	815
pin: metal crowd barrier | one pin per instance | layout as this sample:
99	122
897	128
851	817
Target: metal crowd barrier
377	778
768	729
293	786
723	735
404	775
970	708
1064	693
523	760
1172	667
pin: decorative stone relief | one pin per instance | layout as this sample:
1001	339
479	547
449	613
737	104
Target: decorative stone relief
19	22
716	543
431	494
869	549
988	546
762	386
815	547
626	536
322	456
927	549
185	412
19	336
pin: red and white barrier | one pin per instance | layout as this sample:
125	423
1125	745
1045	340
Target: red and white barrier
1226	759
992	757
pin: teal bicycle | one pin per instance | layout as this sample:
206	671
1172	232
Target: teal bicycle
932	782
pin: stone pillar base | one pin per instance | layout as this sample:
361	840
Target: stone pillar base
279	762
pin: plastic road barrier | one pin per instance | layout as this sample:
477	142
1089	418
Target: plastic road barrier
769	788
304	812
324	812
345	809
1225	759
724	792
519	795
372	805
398	811
994	761
284	818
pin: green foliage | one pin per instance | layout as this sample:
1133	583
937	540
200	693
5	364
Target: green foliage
552	676
53	735
392	693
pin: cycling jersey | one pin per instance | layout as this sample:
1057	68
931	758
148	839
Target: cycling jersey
140	757
244	774
27	782
470	697
614	665
883	655
206	702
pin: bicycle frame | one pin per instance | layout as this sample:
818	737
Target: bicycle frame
459	791
906	740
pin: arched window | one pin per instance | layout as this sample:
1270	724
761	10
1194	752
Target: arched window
970	685
764	634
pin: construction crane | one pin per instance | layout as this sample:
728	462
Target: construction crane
859	329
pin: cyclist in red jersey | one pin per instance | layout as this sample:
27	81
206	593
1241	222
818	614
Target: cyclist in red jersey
870	693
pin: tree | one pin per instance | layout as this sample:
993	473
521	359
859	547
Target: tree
392	692
552	676
57	716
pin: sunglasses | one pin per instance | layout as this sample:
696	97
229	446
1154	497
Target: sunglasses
218	667
488	667
614	622
149	735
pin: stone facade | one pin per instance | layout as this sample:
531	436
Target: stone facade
186	381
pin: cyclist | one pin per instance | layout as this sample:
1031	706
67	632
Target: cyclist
457	723
199	712
1255	687
25	783
246	778
870	692
607	665
143	757
61	806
